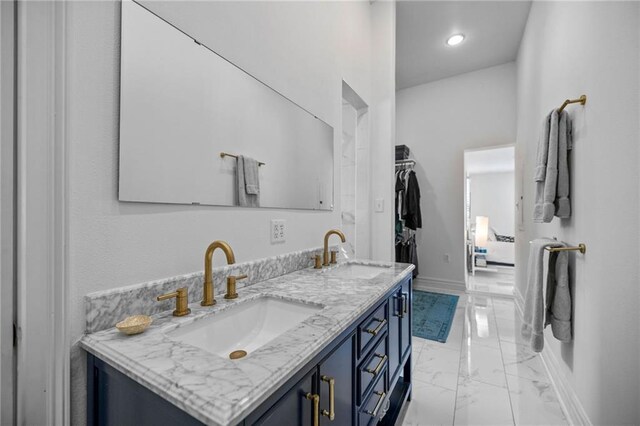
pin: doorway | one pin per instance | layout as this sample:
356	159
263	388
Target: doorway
489	220
355	164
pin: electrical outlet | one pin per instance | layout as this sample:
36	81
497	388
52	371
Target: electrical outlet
278	231
447	258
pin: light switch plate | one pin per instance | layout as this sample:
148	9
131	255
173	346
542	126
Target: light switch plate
278	231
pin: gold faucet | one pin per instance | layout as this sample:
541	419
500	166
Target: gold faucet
231	286
182	301
326	245
208	298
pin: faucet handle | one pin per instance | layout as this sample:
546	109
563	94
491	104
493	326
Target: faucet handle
182	301
317	261
334	254
231	286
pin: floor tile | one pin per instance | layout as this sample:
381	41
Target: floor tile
534	402
478	403
483	364
520	360
430	405
480	326
485	373
510	330
504	308
438	366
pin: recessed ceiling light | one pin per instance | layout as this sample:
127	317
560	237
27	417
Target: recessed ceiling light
455	39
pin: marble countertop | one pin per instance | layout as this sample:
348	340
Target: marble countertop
220	391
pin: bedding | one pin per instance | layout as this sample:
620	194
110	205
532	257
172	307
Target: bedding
500	248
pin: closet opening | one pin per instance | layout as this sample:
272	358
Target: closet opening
489	220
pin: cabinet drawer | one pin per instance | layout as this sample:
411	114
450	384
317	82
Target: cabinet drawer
373	367
375	325
375	404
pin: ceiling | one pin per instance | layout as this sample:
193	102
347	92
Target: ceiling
493	160
493	31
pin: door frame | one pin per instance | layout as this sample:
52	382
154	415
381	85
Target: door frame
464	201
42	355
7	210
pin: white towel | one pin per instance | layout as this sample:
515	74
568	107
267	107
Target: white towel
244	199
534	306
251	176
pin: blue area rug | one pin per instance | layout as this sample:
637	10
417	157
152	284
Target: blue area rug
433	314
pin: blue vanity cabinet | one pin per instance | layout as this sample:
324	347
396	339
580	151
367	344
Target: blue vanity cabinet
406	299
294	406
337	367
365	372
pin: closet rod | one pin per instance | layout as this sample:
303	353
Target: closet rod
405	162
582	100
226	154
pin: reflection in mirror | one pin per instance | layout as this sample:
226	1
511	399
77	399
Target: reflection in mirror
187	115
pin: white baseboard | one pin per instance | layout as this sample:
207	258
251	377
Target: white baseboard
569	401
429	283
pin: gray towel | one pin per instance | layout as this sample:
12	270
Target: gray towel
251	176
558	304
244	199
547	146
534	307
552	168
565	143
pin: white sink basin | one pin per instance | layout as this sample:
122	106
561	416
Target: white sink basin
246	326
354	270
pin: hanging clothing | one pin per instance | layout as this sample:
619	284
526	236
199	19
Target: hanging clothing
413	215
400	192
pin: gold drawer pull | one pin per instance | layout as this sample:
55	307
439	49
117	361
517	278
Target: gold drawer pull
374	413
380	326
316	407
375	371
332	404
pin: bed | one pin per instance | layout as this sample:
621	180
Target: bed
500	249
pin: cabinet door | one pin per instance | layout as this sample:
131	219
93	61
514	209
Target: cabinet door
405	317
394	335
337	371
294	408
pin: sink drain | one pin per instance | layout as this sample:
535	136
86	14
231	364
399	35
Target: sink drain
238	354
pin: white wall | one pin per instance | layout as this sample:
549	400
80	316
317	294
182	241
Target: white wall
571	48
493	195
303	50
438	121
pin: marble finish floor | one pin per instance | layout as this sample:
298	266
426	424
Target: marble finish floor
484	374
500	282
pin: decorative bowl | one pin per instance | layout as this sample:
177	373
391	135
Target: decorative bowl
135	324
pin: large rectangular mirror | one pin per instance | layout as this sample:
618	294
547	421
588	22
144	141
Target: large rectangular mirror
182	106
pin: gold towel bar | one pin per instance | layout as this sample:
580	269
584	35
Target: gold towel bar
226	154
582	100
582	248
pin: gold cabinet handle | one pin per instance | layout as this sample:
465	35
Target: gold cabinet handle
332	402
374	413
315	398
380	326
376	370
403	309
